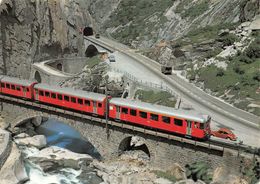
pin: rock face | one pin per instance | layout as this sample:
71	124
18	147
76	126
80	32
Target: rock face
13	170
52	157
34	30
38	141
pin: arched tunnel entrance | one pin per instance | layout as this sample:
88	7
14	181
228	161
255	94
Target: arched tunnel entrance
91	51
88	31
37	77
59	66
132	143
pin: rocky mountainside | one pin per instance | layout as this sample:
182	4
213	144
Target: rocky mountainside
209	42
144	23
33	30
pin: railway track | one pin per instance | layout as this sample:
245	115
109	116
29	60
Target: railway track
45	110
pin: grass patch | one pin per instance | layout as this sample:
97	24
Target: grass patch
208	32
196	10
136	23
91	62
165	175
161	98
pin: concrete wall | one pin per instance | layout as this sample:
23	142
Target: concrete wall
47	77
69	65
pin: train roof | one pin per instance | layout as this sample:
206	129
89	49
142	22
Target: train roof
18	81
186	114
71	92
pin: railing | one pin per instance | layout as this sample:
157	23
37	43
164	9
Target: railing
161	86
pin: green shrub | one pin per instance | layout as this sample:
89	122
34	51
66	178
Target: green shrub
228	39
256	76
238	70
253	51
199	171
220	72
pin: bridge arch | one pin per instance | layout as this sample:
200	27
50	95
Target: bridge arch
37	77
132	143
88	31
62	128
91	51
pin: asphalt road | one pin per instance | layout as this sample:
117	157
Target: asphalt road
243	124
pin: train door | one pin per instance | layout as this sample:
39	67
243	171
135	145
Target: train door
24	91
95	107
188	129
117	112
36	94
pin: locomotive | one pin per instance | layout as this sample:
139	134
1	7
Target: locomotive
181	122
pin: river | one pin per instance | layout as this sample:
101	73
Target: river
62	135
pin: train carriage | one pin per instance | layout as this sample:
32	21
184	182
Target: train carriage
185	122
84	101
17	87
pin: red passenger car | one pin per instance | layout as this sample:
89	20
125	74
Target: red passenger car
184	122
84	101
17	87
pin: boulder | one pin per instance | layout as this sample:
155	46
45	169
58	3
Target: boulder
52	157
177	171
38	141
162	181
21	135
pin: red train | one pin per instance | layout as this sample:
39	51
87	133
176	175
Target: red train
183	122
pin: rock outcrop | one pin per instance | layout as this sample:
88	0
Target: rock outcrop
13	171
38	141
35	30
53	157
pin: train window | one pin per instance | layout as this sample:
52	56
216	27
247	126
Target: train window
143	114
87	102
178	122
99	104
27	89
133	112
66	98
124	110
12	87
53	95
73	99
201	126
8	86
3	85
40	93
47	94
166	119
80	101
59	96
154	117
18	88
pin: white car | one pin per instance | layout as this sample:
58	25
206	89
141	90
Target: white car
112	58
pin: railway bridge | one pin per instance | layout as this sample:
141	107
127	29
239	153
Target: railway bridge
110	138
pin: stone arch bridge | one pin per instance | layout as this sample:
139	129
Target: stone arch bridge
163	149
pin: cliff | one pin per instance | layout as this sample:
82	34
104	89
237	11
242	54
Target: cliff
33	30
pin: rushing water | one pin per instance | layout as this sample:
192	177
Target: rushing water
62	135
